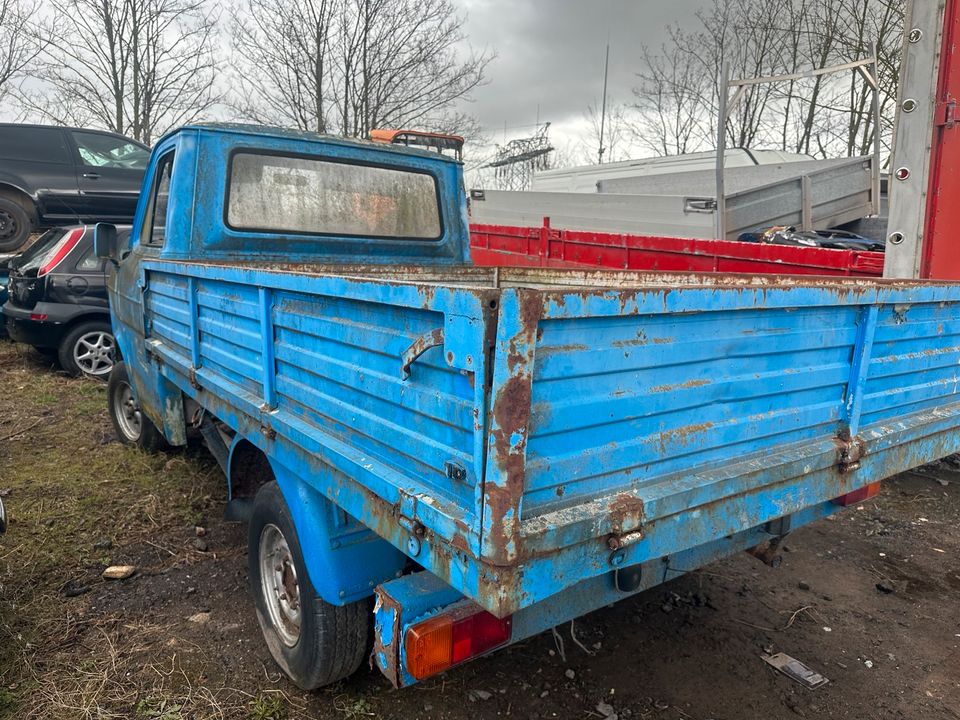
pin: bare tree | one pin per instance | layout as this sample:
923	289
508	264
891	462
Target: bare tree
349	66
136	67
676	101
20	41
670	86
616	134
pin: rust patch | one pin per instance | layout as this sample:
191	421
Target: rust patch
391	653
625	509
460	543
511	414
679	386
683	435
559	349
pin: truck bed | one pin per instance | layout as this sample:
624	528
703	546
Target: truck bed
530	425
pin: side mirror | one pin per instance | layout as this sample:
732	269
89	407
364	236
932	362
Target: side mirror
105	242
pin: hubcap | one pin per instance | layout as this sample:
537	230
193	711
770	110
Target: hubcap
93	353
127	412
278	584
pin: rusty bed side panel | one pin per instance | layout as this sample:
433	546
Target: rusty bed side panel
635	391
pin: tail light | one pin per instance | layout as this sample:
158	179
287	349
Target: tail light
450	638
859	495
59	251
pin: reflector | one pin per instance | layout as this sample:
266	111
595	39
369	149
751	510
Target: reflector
864	493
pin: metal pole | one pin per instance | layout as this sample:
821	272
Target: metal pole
721	199
603	108
875	72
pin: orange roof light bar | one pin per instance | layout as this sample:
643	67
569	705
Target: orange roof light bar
418	138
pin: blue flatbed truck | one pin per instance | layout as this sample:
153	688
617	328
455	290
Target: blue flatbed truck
475	455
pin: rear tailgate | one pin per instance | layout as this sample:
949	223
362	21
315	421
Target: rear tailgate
660	418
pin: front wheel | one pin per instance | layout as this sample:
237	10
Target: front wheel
314	643
131	425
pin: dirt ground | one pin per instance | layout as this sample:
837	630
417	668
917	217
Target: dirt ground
868	598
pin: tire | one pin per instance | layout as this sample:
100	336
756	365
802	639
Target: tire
316	643
88	350
131	425
15	225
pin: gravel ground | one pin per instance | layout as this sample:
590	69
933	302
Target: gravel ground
868	599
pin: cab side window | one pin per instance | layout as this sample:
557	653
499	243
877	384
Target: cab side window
155	221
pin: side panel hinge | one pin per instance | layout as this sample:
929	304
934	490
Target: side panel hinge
849	453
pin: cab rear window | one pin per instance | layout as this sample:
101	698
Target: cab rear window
275	193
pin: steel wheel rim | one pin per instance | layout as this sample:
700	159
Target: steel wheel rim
8	225
93	353
279	585
127	412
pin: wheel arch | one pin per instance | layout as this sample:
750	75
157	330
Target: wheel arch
22	197
345	560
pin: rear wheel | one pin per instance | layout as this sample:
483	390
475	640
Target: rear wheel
314	643
131	425
88	349
15	225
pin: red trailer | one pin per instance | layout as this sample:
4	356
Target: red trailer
550	247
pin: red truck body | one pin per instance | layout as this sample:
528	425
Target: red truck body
505	245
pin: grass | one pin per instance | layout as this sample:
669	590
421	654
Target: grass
68	486
267	707
78	501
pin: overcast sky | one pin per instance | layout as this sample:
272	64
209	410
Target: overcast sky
550	53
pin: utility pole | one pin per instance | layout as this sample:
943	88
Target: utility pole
603	108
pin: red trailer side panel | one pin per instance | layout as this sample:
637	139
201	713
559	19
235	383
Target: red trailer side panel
549	247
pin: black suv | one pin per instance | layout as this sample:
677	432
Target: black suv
58	301
56	176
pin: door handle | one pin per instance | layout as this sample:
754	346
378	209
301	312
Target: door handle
92	176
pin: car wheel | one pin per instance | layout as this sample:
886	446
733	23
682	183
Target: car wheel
88	350
314	643
131	425
15	225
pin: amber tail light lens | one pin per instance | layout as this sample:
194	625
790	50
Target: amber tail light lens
447	639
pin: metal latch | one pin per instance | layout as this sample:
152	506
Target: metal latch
946	115
699	205
849	454
455	471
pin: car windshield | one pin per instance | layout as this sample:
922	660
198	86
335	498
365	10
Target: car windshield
99	150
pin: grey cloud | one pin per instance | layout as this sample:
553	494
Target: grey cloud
551	52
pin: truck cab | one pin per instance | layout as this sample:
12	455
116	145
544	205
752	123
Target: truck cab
477	454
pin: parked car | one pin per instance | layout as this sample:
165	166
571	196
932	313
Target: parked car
58	301
64	176
834	239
